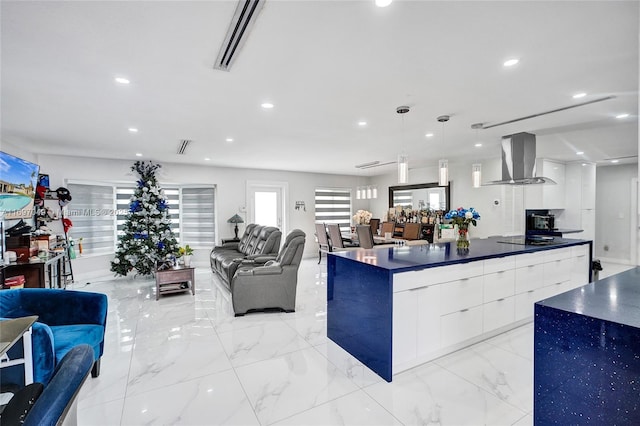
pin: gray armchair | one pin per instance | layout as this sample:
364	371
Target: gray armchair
272	285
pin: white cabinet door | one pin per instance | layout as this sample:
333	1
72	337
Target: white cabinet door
525	301
580	266
416	323
428	330
405	325
553	195
498	313
588	186
557	271
499	285
529	278
461	294
460	326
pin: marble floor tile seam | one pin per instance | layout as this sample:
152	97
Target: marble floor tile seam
128	394
246	394
483	388
332	400
505	348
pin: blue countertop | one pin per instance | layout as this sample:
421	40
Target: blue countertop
615	299
398	259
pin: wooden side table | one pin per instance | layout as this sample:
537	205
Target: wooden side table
175	280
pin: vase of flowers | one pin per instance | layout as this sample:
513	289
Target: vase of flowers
462	218
362	217
186	252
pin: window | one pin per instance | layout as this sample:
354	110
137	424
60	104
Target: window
98	213
197	217
93	213
333	206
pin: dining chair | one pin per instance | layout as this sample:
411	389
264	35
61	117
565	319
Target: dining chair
387	227
323	240
411	231
374	224
336	239
365	236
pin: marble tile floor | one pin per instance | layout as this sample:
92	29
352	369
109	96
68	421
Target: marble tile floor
186	360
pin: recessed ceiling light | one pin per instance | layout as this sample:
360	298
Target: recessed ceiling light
266	105
122	80
138	154
362	123
229	139
579	95
579	152
622	115
511	62
614	161
478	145
429	135
383	3
133	130
207	159
584	164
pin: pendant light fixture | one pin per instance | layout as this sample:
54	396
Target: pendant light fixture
403	158
476	175
476	169
443	165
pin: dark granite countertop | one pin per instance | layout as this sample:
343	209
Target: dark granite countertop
406	258
615	298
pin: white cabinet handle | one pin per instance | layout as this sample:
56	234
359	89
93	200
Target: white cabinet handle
464	310
500	300
418	288
530	291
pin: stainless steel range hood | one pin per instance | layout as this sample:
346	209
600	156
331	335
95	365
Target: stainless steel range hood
519	161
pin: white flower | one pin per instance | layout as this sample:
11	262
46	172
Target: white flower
468	215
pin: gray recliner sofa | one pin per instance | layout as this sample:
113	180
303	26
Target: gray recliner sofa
258	244
272	285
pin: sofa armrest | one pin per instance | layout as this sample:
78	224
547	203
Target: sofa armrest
261	270
258	258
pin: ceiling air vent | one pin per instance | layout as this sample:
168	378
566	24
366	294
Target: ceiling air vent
182	146
243	19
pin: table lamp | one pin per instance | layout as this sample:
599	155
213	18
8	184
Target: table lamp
235	219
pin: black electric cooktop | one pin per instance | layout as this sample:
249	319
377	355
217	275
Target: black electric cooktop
532	240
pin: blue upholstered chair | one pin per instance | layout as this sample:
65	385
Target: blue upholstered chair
66	318
57	404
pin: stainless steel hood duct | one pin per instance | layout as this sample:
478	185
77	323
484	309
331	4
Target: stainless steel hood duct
519	161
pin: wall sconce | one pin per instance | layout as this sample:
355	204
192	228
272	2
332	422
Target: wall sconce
301	205
476	175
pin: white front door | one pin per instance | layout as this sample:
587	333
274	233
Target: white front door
266	204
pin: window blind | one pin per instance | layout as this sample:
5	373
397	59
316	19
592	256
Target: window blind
93	214
99	211
197	216
333	206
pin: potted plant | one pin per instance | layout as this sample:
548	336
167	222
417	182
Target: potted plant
186	252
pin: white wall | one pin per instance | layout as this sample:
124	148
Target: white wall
614	211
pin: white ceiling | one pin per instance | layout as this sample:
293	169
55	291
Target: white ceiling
325	65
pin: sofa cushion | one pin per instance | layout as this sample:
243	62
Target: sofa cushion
68	336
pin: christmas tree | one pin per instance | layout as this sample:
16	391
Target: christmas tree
147	236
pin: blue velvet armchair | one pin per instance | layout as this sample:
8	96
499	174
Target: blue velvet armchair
66	318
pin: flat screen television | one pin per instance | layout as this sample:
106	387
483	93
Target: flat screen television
18	181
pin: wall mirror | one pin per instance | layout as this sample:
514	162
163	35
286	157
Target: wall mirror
421	196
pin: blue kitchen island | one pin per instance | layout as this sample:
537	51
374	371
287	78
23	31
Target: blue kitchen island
587	354
398	307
